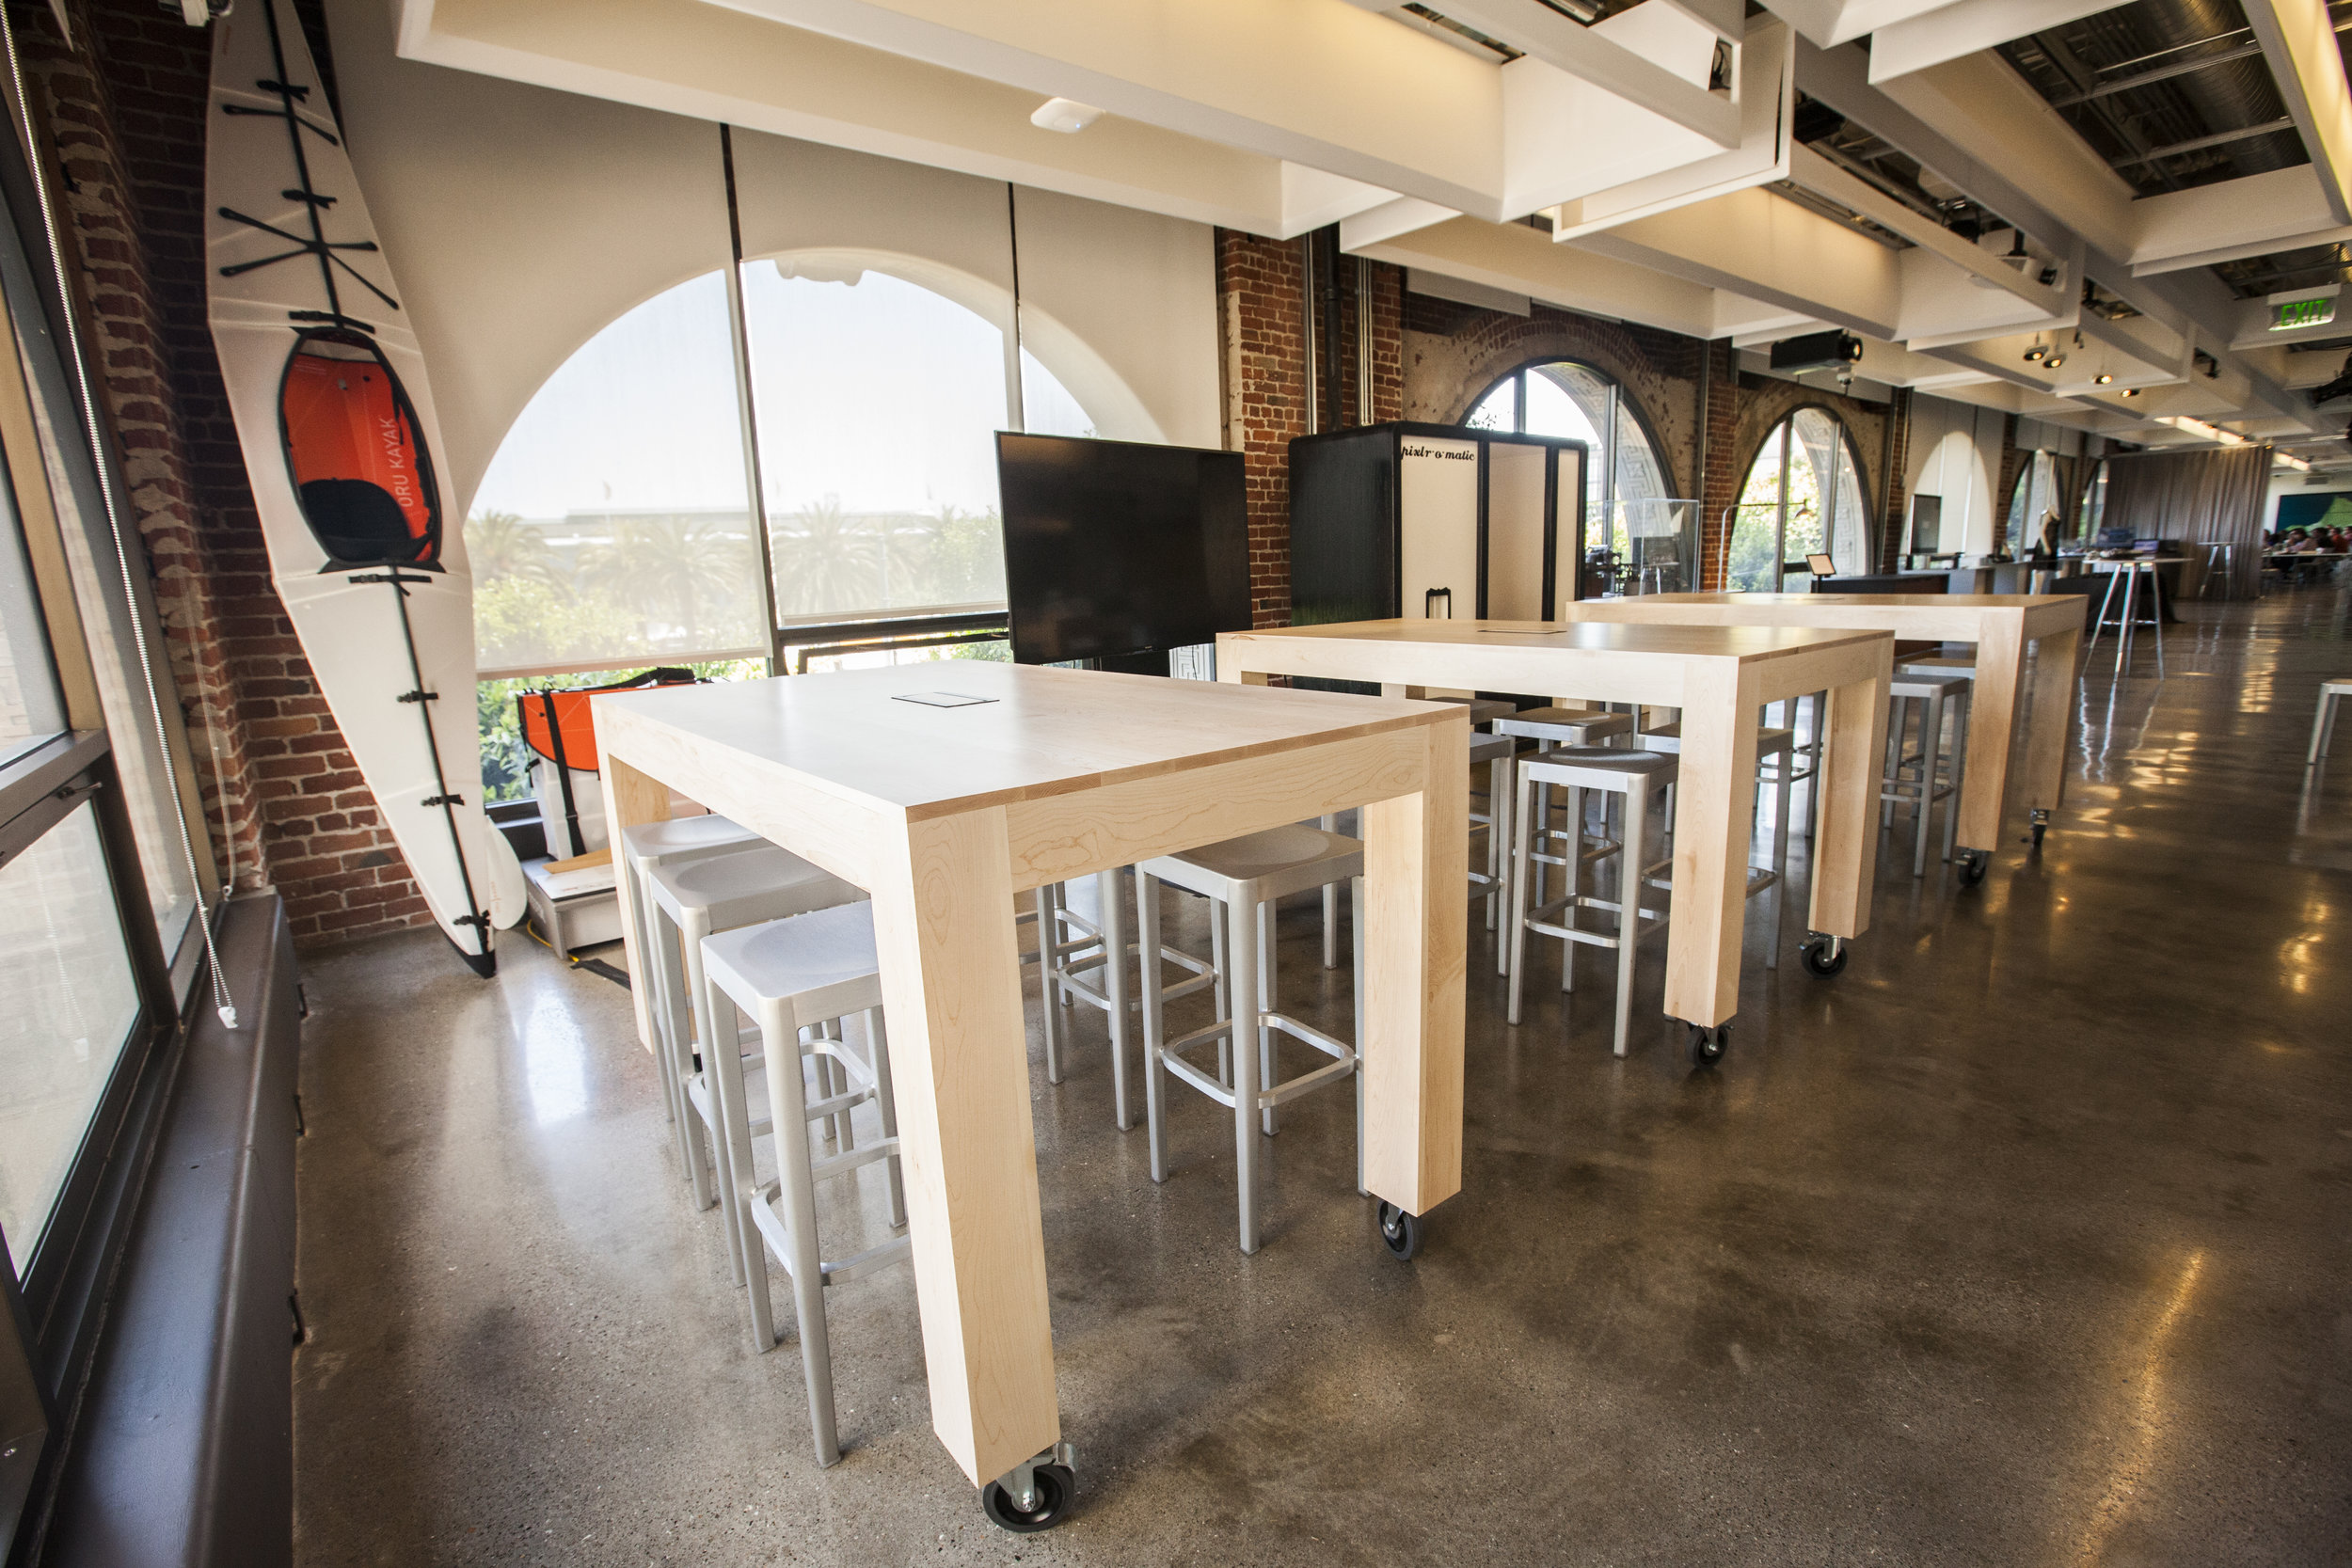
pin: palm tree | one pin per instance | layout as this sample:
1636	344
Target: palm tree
826	561
501	545
679	569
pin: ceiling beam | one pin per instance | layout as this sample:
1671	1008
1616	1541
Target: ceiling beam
1591	54
2299	39
1965	28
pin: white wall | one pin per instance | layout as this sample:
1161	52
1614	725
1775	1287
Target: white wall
518	221
1955	453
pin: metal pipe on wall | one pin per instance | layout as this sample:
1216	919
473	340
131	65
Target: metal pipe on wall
1307	326
1364	341
1337	391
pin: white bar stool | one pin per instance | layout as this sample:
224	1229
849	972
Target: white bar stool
1072	961
1777	770
689	902
1494	821
1939	771
1242	877
670	842
1634	775
793	977
2324	721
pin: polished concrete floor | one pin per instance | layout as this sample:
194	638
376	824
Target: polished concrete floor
2024	1241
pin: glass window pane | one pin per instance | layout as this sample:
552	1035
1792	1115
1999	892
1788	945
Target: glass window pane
110	621
30	711
879	401
71	1002
614	524
1498	409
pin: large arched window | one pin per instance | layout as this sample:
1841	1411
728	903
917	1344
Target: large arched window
1630	505
1803	496
613	528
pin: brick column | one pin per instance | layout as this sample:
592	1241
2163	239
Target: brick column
1718	487
1260	315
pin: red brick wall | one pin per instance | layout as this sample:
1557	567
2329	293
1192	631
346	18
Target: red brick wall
1719	487
127	108
1259	317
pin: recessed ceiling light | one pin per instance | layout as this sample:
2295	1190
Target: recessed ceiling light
1066	115
2131	391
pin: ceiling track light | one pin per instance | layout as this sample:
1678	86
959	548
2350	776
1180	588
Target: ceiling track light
2035	354
2103	379
2054	362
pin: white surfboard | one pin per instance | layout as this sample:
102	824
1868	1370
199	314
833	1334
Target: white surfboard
329	395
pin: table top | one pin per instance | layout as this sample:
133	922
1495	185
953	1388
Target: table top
1039	732
1831	603
1746	644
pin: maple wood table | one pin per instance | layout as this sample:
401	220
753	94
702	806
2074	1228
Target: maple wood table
1720	678
943	813
2002	626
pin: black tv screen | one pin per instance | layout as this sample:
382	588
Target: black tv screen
1115	547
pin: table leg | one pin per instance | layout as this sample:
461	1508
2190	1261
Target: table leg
631	797
1991	720
2049	721
1846	855
951	988
1714	818
1416	902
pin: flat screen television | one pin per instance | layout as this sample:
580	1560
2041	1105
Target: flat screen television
1120	548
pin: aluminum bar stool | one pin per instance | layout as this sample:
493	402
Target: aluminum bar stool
1939	772
1078	970
2324	723
1777	770
1484	711
689	902
1634	775
798	978
1242	877
672	843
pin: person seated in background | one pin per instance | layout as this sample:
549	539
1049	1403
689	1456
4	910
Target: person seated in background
2293	541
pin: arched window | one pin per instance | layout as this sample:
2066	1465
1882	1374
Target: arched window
1630	505
1803	496
2035	496
613	528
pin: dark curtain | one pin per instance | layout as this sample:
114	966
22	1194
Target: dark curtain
2213	496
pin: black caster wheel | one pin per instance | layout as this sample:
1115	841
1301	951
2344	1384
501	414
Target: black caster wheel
1824	958
1399	1231
1055	1486
1708	1045
1974	863
2041	826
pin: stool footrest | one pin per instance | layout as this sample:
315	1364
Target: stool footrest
1342	1054
779	1239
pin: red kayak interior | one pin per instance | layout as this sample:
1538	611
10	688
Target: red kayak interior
359	463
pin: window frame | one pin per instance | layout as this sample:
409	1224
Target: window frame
1849	450
52	1314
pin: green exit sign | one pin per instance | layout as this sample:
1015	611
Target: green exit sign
2286	315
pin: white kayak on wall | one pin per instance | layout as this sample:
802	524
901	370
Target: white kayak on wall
329	390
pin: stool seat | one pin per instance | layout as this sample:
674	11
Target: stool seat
1489	748
823	963
2331	691
1575	726
1928	684
647	839
756	885
1484	711
1599	766
1771	740
1280	861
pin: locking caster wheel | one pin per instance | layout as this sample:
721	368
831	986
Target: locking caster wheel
1824	957
1399	1232
1708	1045
2041	826
1974	863
1051	1489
